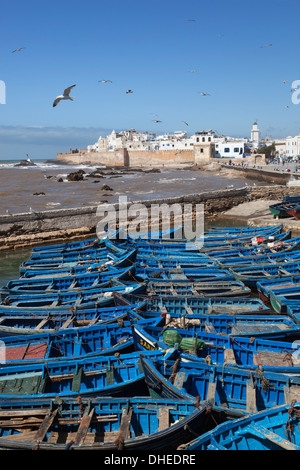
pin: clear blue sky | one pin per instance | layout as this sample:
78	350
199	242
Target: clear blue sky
149	47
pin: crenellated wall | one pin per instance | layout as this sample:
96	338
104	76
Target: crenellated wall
132	158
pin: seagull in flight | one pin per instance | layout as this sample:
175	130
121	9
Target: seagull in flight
64	96
192	71
204	94
129	91
185	123
18	50
266	45
191	20
156	120
286	106
285	81
105	81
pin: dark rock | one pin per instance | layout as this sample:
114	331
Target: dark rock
39	194
60	180
105	187
25	163
76	176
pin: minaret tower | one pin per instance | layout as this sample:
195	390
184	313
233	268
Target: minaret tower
255	135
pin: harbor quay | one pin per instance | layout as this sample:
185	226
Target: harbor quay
33	228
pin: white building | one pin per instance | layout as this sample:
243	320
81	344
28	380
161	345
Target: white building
292	147
288	148
231	149
255	136
224	146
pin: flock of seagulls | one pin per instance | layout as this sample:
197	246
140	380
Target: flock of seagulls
66	93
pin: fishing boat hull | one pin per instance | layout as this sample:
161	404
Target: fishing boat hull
274	429
220	384
107	424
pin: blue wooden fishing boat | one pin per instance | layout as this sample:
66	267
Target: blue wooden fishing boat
279	299
193	304
202	274
43	284
245	353
264	287
77	267
274	429
293	311
99	253
69	245
28	323
222	385
100	423
86	299
263	326
208	289
167	263
66	344
282	243
251	275
182	247
260	259
214	239
280	210
97	376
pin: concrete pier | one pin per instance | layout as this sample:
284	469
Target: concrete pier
53	226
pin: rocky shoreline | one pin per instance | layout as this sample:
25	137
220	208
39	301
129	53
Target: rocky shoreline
55	226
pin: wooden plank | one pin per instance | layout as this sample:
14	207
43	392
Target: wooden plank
211	392
209	328
179	380
83	427
291	393
67	323
41	324
163	310
76	383
124	428
229	357
23	413
23	436
163	418
110	375
251	398
189	310
47	422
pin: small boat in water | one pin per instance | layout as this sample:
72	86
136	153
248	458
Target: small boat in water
100	423
222	384
264	326
100	375
67	282
152	305
207	289
66	344
251	275
264	287
274	429
88	298
28	323
241	352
